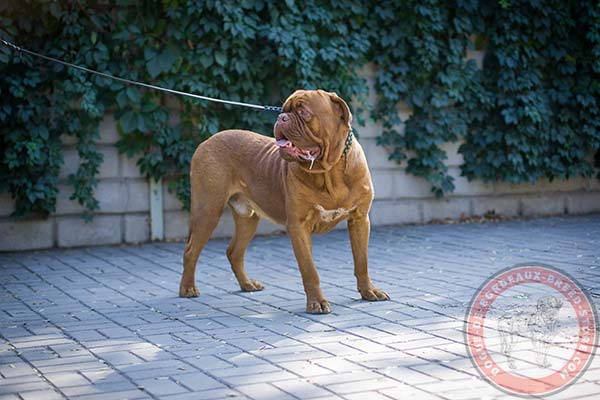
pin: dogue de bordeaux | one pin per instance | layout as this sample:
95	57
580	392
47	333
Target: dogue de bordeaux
310	177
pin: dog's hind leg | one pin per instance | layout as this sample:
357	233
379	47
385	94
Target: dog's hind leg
204	217
202	223
246	222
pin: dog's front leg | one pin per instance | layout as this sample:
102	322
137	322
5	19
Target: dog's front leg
359	229
302	244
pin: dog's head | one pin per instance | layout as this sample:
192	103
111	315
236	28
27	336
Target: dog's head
548	307
313	124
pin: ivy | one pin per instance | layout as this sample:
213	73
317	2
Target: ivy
541	115
421	63
253	51
532	111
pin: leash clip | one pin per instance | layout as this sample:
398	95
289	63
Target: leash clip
272	108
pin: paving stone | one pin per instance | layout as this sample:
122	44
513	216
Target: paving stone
96	323
337	364
202	361
363	386
409	376
388	359
264	391
15	369
42	395
212	394
304	368
54	361
410	392
257	378
123	394
18	386
118	358
105	375
366	395
302	389
353	376
366	345
9	397
239	371
97	388
66	367
160	387
198	381
65	379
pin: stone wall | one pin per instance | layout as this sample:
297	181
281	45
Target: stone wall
124	196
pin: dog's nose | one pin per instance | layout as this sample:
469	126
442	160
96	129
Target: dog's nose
283	117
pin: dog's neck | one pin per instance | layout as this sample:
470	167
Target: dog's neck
320	169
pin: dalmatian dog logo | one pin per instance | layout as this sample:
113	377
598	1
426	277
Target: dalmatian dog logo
531	330
539	325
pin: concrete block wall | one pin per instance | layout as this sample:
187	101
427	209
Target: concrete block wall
402	198
124	196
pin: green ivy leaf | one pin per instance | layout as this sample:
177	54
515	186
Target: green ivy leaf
128	122
122	99
133	94
154	67
220	58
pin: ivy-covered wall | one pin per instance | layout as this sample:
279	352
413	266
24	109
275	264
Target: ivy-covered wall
531	111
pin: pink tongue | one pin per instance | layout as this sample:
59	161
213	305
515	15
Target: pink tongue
284	143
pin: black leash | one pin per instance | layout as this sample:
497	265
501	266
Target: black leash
128	81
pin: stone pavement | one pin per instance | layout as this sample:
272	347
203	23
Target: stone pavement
106	322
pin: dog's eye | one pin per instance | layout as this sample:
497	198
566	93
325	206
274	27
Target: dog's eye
304	113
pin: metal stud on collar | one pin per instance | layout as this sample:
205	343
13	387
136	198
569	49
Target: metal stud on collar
348	143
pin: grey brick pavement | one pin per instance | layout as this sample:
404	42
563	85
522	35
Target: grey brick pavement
105	322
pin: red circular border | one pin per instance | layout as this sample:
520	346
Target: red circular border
519	275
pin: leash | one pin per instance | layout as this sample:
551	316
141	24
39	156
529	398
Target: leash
131	82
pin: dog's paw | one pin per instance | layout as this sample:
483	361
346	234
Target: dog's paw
374	295
189	291
318	307
252	286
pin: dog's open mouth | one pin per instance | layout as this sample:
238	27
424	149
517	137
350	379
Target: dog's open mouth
288	148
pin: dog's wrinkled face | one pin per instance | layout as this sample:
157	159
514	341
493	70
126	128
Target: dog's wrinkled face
313	125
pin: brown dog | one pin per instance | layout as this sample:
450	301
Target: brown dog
309	179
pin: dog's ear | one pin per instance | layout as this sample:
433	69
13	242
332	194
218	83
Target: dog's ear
287	105
559	303
344	110
340	124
